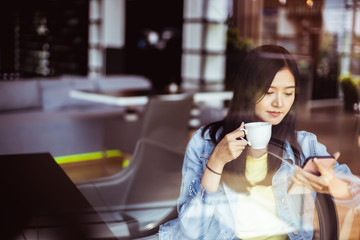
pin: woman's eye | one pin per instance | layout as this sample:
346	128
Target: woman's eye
268	93
289	94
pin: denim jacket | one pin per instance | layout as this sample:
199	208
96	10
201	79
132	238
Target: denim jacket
207	215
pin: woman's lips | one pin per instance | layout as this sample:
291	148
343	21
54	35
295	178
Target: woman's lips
274	113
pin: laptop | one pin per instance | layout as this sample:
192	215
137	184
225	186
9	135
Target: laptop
39	201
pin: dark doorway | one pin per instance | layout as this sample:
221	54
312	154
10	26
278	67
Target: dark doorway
154	40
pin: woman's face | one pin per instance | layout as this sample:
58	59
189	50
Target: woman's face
276	103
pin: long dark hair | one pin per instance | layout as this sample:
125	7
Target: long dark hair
253	80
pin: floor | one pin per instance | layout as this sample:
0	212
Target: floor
333	127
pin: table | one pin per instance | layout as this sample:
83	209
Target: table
133	98
40	200
141	97
118	98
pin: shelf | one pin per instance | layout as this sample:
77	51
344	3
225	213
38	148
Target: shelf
62	45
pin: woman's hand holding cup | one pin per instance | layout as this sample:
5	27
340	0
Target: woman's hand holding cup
228	149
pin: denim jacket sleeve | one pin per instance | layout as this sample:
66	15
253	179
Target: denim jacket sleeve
196	206
311	147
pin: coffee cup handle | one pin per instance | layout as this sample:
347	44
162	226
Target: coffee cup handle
245	131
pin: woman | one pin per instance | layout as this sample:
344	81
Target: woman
231	191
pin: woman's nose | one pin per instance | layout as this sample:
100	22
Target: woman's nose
278	101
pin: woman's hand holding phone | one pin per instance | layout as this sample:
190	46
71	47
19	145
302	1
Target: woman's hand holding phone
318	175
312	164
303	181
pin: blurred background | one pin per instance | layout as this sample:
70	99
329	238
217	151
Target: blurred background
191	43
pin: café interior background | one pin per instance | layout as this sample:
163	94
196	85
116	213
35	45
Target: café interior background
192	43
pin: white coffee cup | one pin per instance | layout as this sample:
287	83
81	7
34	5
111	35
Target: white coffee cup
258	134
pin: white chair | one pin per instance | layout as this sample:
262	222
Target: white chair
165	119
136	200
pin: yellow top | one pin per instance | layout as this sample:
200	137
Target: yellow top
257	217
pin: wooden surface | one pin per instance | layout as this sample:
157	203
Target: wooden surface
86	170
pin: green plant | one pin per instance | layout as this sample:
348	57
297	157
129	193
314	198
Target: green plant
351	89
351	81
235	42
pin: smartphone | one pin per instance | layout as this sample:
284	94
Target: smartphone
310	166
